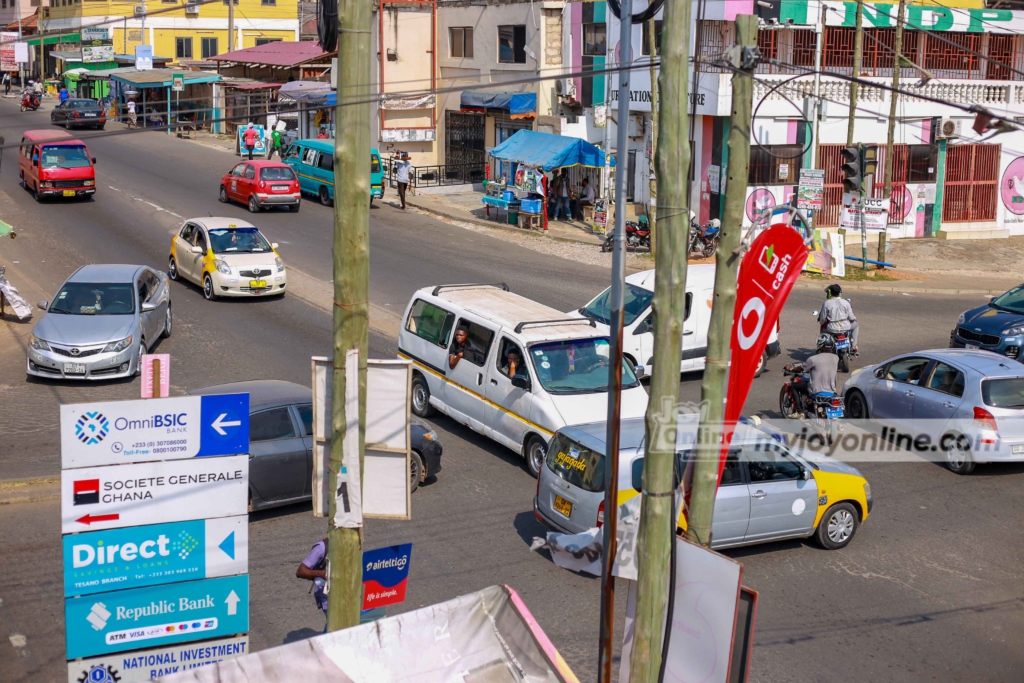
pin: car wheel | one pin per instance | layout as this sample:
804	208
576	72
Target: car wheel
35	193
294	208
837	526
325	197
787	403
167	322
958	454
172	268
208	291
67	124
421	397
223	195
254	206
856	405
138	361
536	453
415	470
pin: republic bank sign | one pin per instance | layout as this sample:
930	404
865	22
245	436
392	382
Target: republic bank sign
924	17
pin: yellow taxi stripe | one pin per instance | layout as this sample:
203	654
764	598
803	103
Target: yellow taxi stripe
324	182
473	393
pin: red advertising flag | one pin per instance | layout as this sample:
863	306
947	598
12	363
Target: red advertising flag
768	272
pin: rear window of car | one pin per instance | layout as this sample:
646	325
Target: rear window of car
1003	393
576	464
276	173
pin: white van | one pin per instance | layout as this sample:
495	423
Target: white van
638	319
561	379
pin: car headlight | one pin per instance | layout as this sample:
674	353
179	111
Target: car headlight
867	490
280	264
430	435
89	183
37	343
118	346
1017	329
45	183
222	266
962	319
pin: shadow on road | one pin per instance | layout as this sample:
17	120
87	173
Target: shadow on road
300	634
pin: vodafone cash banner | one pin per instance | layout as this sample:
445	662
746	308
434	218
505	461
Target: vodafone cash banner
768	272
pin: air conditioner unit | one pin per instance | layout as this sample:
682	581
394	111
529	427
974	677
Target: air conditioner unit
949	128
140	10
635	127
192	9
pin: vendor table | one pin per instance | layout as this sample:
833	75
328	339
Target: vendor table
509	205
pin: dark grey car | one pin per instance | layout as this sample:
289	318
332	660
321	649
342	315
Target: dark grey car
79	113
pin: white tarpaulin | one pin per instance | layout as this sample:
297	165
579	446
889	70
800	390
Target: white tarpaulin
582	552
22	309
484	637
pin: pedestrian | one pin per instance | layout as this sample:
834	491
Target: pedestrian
275	144
562	195
314	568
63	93
133	121
402	169
250	136
7	83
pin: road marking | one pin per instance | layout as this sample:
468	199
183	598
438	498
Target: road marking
320	294
18	640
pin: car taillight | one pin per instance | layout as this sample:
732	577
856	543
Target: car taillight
262	184
837	402
78	114
984	419
600	515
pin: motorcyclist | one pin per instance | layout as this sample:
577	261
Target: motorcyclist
836	315
821	371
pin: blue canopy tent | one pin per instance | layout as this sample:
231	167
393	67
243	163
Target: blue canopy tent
548	152
520	105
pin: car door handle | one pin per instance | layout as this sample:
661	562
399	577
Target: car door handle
687	334
908	393
494	382
759	494
479	379
948	404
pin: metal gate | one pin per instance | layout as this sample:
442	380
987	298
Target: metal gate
971	183
464	153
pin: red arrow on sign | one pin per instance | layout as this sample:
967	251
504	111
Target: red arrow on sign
89	519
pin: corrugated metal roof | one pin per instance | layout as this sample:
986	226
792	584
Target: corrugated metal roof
158	78
280	54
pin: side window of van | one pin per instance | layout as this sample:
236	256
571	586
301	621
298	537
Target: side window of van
293	152
478	342
689	305
326	163
309	158
429	322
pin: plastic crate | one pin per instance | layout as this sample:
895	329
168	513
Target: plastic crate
508	195
532	206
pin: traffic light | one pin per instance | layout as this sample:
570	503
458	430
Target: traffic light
853	177
868	159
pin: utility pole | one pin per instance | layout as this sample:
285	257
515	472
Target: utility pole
231	26
897	65
657	515
606	172
143	22
727	260
351	290
652	174
615	304
858	41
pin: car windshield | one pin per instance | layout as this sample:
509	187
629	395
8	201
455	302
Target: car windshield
276	173
1012	301
374	163
577	366
238	241
637	301
93	298
65	156
1003	393
82	104
576	464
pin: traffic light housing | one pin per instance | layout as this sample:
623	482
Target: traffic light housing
853	176
868	159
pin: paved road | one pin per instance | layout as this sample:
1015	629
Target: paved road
930	589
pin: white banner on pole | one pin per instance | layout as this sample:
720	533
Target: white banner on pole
348	504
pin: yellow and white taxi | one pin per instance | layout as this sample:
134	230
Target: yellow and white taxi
226	257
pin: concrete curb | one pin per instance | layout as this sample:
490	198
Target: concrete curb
865	287
29	490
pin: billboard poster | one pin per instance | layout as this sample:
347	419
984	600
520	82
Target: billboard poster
811	190
7	61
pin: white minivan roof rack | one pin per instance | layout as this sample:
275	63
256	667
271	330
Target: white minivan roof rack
467	285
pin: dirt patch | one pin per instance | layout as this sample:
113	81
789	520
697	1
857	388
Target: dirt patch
999	257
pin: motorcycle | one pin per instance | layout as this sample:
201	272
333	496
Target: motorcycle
637	235
823	411
704	238
844	347
30	100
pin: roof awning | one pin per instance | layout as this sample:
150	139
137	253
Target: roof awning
162	78
55	40
548	152
520	105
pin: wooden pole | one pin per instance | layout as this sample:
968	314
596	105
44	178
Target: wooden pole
657	521
351	289
727	260
652	47
858	42
897	64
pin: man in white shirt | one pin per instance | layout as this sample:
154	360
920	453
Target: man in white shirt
402	169
586	196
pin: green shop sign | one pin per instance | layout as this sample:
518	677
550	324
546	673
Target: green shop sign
924	17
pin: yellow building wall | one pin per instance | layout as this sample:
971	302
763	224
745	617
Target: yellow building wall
251	9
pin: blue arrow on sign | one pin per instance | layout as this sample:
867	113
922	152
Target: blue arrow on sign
225	424
228	545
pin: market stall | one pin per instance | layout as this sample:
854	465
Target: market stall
531	155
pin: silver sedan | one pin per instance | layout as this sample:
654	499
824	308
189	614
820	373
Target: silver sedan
966	406
100	324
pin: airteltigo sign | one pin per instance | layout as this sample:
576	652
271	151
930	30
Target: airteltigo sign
118	432
134	667
156	616
133	557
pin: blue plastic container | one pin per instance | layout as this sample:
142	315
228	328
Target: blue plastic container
508	195
531	205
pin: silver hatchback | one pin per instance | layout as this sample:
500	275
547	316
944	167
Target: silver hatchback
103	319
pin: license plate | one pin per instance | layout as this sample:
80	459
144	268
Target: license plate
74	369
833	412
69	193
1017	450
843	345
563	506
970	346
257	284
92	116
279	188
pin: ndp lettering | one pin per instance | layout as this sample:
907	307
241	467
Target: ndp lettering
156	421
85	554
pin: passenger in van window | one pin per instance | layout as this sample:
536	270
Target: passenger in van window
460	347
513	363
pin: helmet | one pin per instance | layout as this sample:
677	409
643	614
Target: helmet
693	216
834	291
825	344
715	223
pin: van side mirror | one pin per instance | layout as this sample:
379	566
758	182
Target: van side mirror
273	245
148	306
94	160
43	304
521	382
805	473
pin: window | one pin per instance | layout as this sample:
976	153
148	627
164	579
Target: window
775	164
271	425
268	2
326	163
200	240
577	464
238	170
146	286
907	370
1003	393
594	39
186	232
576	366
250	172
374	163
767	462
306	416
478	342
637	301
226	2
947	380
512	44
264	41
460	41
505	363
921	163
293	152
732	474
645	40
431	323
183	48
309	158
210	48
276	173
